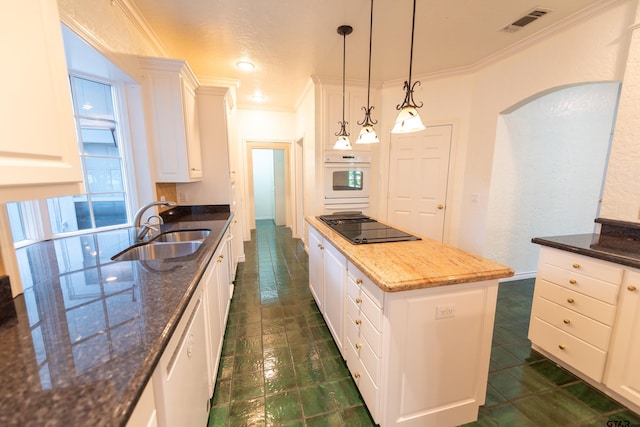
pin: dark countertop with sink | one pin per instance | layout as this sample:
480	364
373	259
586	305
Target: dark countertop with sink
88	332
617	242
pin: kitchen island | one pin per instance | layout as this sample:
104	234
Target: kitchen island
89	332
413	320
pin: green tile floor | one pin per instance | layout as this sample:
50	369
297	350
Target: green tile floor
280	366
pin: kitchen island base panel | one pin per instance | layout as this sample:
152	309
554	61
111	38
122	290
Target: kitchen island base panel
438	345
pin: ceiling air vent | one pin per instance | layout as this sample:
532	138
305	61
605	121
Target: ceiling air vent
525	20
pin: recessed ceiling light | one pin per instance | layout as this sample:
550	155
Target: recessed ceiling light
245	65
257	97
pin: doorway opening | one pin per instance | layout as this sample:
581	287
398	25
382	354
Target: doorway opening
269	183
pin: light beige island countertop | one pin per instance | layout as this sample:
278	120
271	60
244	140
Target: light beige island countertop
403	266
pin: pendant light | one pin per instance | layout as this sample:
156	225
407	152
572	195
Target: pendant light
367	133
408	119
343	142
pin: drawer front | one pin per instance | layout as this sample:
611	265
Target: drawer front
571	322
585	305
373	291
592	267
363	328
369	307
569	349
364	351
369	391
604	291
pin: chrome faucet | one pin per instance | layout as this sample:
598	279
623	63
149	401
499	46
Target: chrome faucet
142	230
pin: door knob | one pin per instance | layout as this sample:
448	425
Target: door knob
440	206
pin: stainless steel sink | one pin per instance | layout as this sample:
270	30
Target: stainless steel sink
158	250
183	235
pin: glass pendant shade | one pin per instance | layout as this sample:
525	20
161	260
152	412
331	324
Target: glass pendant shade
367	135
408	120
342	143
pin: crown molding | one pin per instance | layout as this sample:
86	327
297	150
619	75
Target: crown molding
133	14
593	10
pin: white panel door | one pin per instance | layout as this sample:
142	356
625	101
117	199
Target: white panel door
418	174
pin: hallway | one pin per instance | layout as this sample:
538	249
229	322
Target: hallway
280	366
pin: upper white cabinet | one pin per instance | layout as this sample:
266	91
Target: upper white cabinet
170	103
38	146
355	98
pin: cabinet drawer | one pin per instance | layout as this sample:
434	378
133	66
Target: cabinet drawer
571	322
604	291
369	391
585	305
372	290
365	303
362	348
601	270
569	349
363	327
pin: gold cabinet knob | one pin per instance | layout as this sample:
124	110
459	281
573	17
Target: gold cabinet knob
358	346
631	288
359	281
566	321
358	321
576	265
320	246
440	206
356	375
570	300
562	346
573	281
358	300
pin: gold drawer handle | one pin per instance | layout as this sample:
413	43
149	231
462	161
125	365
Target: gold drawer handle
359	281
576	265
562	346
573	281
570	300
358	300
320	246
357	375
358	321
566	321
631	288
358	346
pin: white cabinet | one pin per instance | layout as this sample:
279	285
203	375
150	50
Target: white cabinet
180	383
144	414
574	307
316	267
327	281
170	105
39	154
217	290
623	365
355	98
335	280
408	352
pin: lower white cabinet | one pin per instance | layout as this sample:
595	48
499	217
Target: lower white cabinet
144	414
216	282
316	267
586	317
180	383
624	360
419	357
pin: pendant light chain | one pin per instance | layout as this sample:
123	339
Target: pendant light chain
344	71
368	121
343	136
408	86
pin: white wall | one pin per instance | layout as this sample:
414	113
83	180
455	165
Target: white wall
548	171
263	184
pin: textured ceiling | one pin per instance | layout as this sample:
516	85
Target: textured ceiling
291	40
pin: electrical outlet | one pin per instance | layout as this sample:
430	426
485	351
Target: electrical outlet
445	311
182	197
475	198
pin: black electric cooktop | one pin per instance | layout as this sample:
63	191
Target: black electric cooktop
360	229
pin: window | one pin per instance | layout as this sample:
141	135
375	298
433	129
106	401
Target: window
104	201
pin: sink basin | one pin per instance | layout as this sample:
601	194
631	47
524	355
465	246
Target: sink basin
183	235
159	250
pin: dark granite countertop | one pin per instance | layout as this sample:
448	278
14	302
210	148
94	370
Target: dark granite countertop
90	331
618	249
